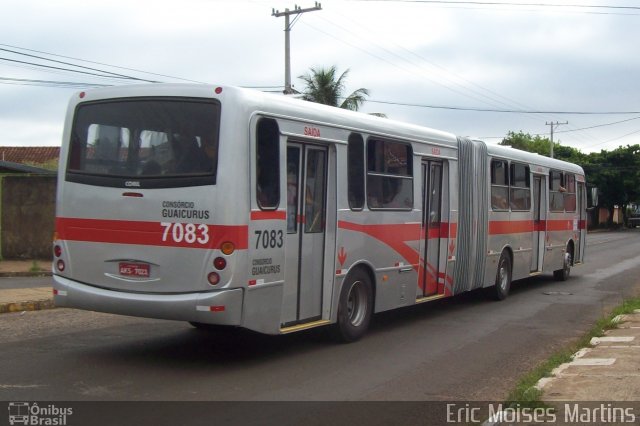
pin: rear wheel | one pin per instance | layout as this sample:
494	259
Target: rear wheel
355	307
563	274
500	290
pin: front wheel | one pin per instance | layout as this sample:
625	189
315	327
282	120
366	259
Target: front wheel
500	290
563	274
355	307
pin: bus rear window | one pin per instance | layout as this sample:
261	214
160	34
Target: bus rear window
146	139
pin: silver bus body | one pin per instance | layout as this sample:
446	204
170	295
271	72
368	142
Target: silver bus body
406	208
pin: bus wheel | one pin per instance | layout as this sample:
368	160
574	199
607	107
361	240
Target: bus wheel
355	307
563	274
500	290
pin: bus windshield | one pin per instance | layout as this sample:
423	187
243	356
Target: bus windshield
145	139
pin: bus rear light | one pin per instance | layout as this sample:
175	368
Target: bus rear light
227	248
213	278
218	90
82	94
60	265
57	251
219	263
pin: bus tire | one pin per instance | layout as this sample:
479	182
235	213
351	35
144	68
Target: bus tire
355	307
500	290
563	274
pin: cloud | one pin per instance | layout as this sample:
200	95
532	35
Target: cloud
533	58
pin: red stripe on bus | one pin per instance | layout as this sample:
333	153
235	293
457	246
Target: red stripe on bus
510	226
442	230
268	215
449	230
560	225
150	233
500	227
393	235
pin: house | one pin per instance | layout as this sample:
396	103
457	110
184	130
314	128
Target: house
32	155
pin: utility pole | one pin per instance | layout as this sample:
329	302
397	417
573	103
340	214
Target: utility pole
297	10
553	126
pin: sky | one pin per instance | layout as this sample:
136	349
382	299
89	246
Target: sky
456	66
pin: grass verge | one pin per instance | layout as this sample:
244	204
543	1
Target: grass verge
526	395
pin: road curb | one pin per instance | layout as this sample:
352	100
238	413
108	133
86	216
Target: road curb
31	305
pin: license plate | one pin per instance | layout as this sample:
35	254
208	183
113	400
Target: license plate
140	270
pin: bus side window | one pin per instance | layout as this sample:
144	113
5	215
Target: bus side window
556	191
267	164
520	190
499	185
389	175
570	195
355	172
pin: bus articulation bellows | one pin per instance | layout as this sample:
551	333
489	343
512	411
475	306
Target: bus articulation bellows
220	205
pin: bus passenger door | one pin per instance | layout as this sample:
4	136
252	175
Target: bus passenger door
304	252
430	279
539	223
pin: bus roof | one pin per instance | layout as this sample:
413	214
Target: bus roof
532	158
253	100
285	106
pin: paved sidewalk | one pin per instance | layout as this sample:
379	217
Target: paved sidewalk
25	299
609	371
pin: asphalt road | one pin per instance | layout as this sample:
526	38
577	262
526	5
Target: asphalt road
465	348
24	282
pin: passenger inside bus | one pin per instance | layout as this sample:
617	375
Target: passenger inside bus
292	195
498	200
189	156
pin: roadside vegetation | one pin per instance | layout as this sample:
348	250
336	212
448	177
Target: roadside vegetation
526	394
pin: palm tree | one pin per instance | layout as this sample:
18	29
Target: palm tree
324	88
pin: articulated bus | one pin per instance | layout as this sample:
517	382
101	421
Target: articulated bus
227	206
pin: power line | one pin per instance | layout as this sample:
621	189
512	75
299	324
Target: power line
614	139
102	63
48	83
116	75
507	111
599	125
570	130
486	95
60	68
493	3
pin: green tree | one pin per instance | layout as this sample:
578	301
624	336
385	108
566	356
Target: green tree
541	145
616	174
526	142
323	86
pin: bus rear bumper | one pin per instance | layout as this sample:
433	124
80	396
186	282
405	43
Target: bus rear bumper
222	307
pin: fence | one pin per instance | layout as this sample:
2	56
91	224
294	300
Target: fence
27	216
